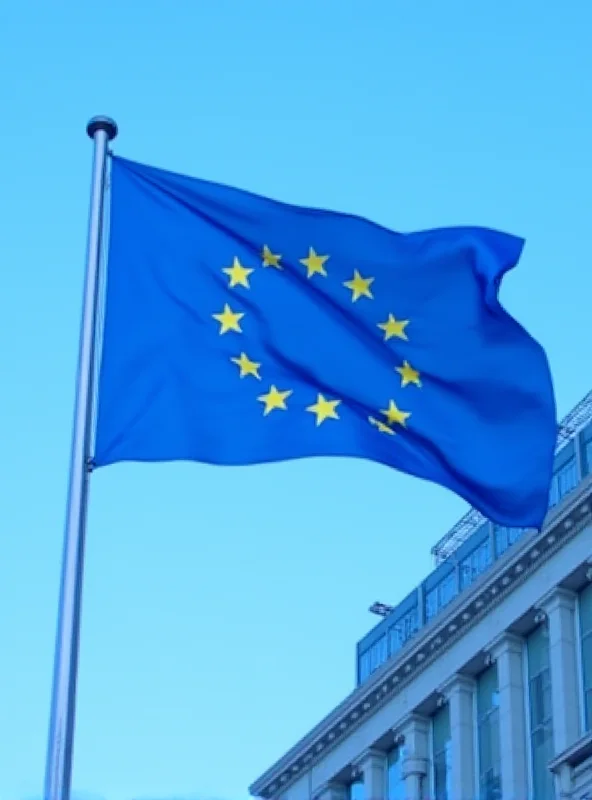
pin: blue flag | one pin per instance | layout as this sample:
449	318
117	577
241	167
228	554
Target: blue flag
239	330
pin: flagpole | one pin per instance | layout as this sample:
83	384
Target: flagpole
58	768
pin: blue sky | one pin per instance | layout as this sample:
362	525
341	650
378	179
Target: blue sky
221	608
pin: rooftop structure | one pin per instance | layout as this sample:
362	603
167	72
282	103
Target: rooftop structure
471	548
479	683
569	426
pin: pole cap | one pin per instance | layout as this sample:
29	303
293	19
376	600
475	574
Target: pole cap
102	124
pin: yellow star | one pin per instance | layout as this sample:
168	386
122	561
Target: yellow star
314	263
324	409
393	327
229	320
395	415
408	374
247	367
274	399
239	275
382	426
360	286
270	259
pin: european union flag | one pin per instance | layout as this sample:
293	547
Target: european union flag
240	330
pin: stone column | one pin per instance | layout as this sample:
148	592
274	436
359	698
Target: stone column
372	764
507	650
414	729
460	693
559	605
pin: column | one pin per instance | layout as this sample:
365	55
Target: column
372	764
460	692
415	729
507	650
560	605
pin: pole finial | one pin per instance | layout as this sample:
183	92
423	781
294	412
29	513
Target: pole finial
102	124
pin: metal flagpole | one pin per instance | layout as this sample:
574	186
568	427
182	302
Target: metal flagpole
58	768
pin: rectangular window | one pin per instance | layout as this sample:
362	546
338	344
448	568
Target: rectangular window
403	630
475	564
395	785
355	791
541	715
431	604
587	456
441	747
442	594
378	653
564	480
506	537
364	666
490	785
586	449
586	635
448	590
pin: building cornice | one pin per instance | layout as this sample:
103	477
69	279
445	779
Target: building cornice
574	755
507	573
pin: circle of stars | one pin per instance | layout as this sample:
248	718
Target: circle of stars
387	419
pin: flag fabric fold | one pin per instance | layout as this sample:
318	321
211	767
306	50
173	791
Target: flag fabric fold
239	330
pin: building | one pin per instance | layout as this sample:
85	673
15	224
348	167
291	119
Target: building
479	683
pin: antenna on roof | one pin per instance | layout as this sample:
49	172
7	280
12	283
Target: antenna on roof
381	609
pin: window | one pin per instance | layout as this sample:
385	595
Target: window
490	787
378	653
564	480
440	595
586	449
364	666
474	564
441	744
402	630
506	537
586	634
431	604
395	785
541	716
587	455
355	791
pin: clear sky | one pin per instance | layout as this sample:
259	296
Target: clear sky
221	608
